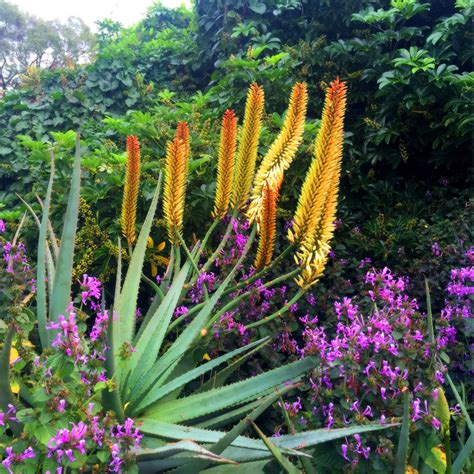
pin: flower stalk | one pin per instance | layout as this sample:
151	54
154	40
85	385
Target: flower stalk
130	193
225	164
248	147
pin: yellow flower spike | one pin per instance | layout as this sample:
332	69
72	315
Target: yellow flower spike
225	164
313	225
326	161
182	133
282	151
248	147
176	171
130	193
267	227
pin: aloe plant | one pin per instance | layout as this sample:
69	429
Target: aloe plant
149	377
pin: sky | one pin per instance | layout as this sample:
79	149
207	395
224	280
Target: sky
126	12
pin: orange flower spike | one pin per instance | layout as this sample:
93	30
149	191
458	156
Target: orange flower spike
225	164
282	151
267	227
326	161
182	133
176	172
248	146
130	194
319	225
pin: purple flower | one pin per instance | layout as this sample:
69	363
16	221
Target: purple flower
3	227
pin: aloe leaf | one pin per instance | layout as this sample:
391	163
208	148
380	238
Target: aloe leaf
229	416
194	406
219	379
111	397
284	463
165	281
193	374
52	235
41	303
462	405
464	455
118	277
165	430
237	430
429	313
49	256
247	468
184	446
127	304
179	432
61	296
148	346
402	450
312	438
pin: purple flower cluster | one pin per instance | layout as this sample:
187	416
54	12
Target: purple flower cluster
67	338
66	442
205	282
16	263
353	450
119	440
16	458
91	288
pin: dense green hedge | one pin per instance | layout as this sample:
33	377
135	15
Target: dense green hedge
407	65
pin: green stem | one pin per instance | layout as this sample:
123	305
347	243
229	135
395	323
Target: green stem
188	253
208	234
231	304
278	313
261	273
153	285
177	259
221	245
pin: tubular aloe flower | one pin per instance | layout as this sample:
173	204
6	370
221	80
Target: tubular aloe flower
313	225
247	155
282	151
176	171
267	227
130	193
225	164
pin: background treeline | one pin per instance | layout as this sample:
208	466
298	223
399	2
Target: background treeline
408	64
